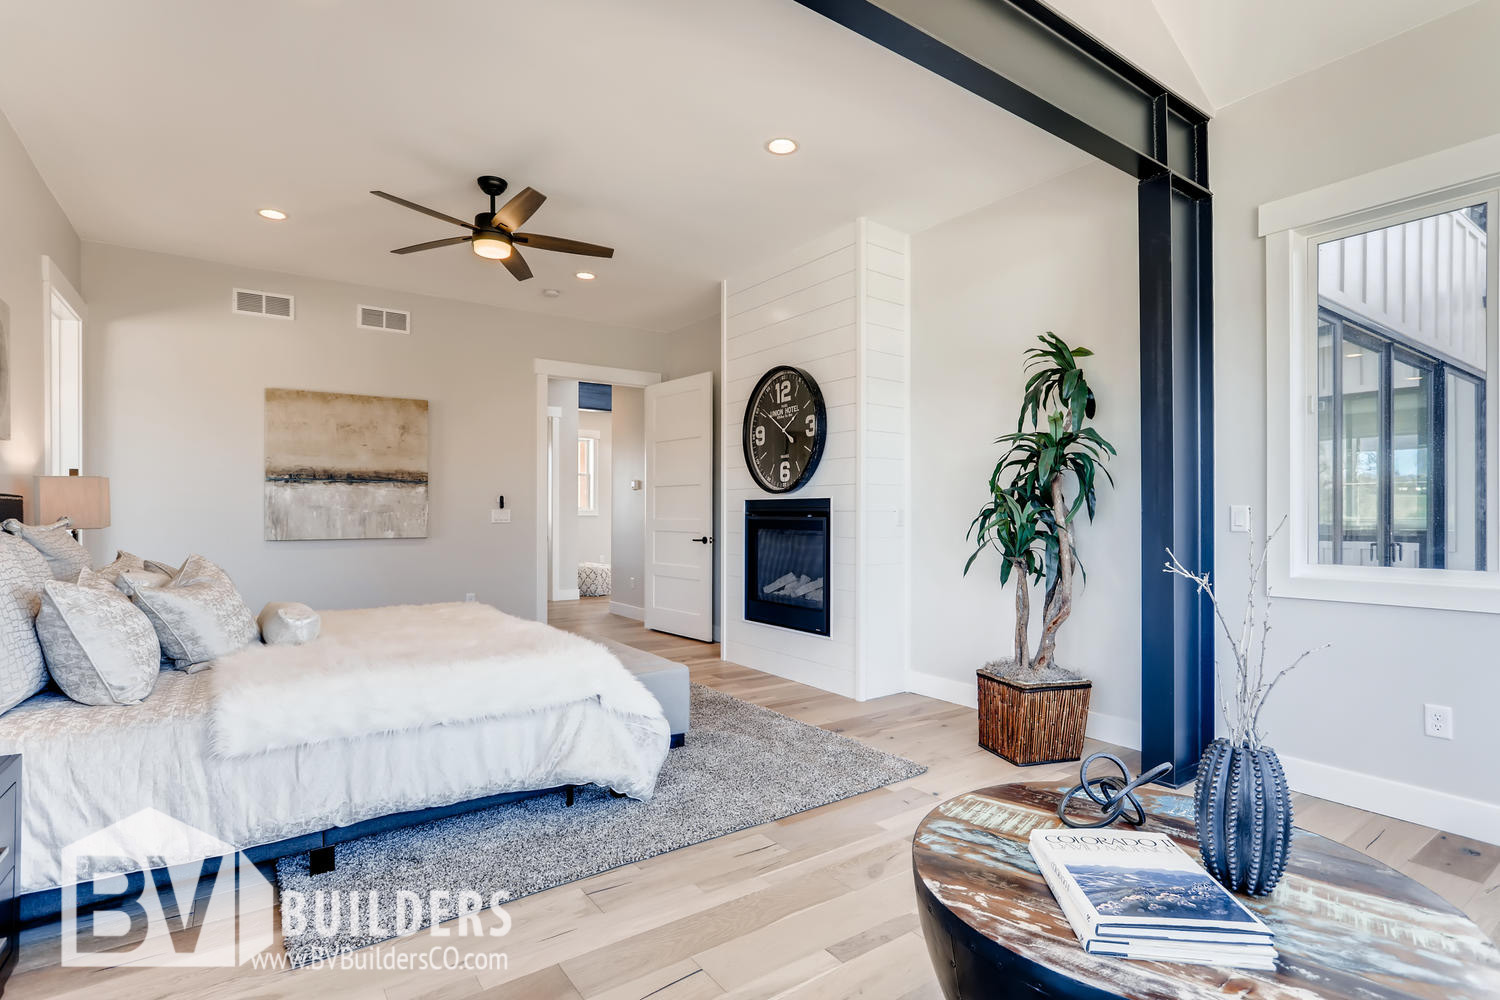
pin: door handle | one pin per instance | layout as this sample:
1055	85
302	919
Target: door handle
704	540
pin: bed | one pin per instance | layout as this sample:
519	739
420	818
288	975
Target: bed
87	767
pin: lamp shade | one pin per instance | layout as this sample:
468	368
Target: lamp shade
82	499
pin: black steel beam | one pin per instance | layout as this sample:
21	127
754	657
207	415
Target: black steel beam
1177	639
1025	58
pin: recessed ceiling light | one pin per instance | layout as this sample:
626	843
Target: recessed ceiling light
782	146
551	293
274	214
584	275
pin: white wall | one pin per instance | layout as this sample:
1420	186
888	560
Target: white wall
628	509
594	532
175	382
31	224
836	308
1060	257
1350	720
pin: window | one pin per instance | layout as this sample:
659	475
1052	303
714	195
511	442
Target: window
64	375
588	491
1401	360
1381	357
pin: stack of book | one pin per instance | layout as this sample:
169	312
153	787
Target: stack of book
1140	896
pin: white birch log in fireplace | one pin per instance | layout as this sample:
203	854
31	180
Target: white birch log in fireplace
781	581
804	586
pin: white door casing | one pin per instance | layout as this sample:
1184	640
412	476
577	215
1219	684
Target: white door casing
680	507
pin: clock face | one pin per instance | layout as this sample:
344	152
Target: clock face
785	429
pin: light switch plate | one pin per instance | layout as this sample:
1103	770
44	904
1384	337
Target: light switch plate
498	516
1239	517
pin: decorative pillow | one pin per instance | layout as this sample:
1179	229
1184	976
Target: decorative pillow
23	572
65	557
198	615
99	647
283	623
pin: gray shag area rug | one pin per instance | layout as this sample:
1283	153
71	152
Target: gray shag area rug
743	765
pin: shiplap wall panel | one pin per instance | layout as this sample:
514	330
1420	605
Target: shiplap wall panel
837	308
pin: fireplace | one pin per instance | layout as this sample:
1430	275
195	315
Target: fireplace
786	564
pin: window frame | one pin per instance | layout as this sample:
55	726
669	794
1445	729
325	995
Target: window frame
591	438
1292	311
57	291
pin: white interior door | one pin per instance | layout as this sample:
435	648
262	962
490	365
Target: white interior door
680	506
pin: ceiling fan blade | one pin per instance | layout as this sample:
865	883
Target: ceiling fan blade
516	265
536	241
520	208
425	211
434	244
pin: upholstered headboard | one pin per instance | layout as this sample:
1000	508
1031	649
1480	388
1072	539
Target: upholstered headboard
10	507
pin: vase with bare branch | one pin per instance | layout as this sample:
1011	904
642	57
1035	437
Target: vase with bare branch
1243	804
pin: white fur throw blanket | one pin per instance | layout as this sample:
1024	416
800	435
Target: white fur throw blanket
382	670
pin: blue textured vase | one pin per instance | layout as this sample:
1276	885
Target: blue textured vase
1244	816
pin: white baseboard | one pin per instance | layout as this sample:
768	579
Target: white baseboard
627	611
1413	803
1109	728
560	594
965	692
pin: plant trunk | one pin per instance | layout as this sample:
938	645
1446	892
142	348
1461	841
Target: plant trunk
1060	599
1023	616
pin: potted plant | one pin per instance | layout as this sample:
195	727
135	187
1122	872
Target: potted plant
1243	804
1032	710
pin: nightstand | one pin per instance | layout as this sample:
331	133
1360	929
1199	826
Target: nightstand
10	863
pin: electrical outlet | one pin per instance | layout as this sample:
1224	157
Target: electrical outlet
468	598
1437	721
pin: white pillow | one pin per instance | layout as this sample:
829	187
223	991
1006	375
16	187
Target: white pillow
198	615
23	572
65	557
285	623
100	648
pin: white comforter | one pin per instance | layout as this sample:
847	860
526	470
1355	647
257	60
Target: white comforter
400	669
87	767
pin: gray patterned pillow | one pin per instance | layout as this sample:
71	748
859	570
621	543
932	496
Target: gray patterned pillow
144	572
23	571
65	557
100	648
198	615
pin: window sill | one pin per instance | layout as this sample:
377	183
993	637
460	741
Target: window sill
1438	589
588	513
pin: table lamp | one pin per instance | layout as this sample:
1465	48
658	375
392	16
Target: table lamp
84	500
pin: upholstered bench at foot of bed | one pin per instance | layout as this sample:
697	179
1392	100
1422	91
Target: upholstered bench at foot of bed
666	679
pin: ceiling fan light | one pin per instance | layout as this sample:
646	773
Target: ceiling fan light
491	246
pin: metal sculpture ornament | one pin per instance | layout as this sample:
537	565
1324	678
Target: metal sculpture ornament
1113	794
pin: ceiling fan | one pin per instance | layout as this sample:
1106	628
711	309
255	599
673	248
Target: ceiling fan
493	234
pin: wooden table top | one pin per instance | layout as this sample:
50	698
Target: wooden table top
1346	925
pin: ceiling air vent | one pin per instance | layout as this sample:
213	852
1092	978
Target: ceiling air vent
375	318
253	303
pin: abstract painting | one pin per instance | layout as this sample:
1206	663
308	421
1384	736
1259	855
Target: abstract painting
4	372
344	466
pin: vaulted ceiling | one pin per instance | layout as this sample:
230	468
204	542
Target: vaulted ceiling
1218	52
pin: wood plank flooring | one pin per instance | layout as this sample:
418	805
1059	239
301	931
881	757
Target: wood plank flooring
818	905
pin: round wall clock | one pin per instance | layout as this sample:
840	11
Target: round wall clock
785	429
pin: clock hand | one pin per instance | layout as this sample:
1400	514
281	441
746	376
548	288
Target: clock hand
778	426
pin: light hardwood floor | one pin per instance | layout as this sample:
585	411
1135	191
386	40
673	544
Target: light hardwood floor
818	905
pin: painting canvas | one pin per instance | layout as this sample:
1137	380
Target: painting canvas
4	372
344	466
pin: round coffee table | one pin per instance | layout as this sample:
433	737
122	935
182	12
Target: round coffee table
1346	925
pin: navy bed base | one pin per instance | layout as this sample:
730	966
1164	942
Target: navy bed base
45	905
